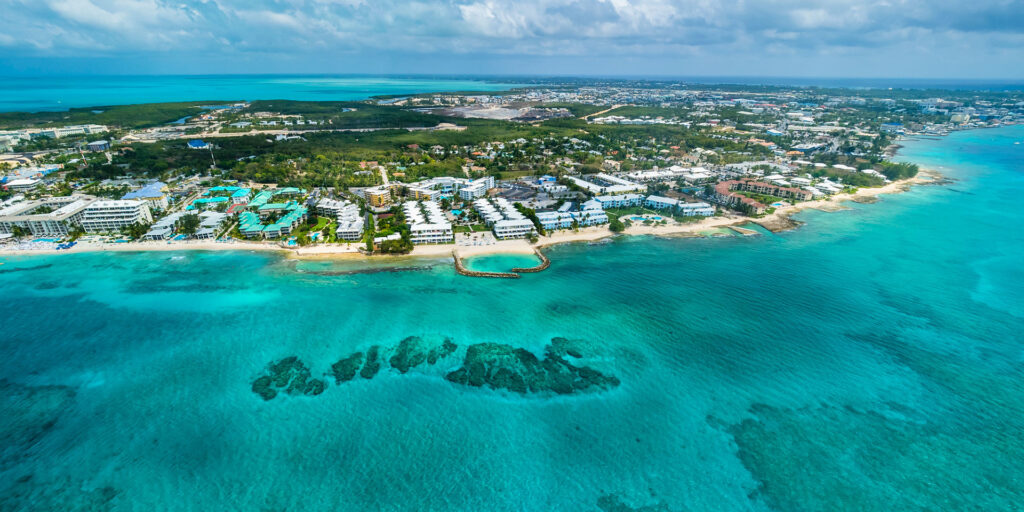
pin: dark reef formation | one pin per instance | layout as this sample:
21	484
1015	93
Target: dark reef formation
372	365
500	366
346	369
413	351
494	365
288	375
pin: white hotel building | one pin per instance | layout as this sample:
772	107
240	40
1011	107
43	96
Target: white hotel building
56	216
433	188
350	221
427	223
503	218
112	215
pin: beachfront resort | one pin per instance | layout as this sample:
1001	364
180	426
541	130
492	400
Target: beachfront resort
618	159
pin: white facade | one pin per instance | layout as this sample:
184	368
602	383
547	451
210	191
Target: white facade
620	201
64	212
696	209
660	203
106	216
513	228
427	223
431	233
350	221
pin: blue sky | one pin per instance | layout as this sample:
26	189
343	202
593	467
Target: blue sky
828	38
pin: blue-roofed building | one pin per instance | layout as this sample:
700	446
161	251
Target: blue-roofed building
155	194
197	144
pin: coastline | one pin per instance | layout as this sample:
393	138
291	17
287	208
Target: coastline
777	221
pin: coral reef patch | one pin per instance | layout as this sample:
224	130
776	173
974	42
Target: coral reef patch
501	366
289	376
492	365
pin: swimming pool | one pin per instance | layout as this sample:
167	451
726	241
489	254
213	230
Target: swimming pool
636	218
51	240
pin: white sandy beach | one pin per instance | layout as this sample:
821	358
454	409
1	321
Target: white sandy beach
773	221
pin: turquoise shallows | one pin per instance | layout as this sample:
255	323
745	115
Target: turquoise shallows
30	94
869	360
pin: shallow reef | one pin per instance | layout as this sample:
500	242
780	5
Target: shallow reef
838	458
493	365
346	369
501	366
288	375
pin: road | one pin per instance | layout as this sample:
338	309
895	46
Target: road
601	112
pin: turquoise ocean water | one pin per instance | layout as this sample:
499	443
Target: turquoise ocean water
870	360
32	94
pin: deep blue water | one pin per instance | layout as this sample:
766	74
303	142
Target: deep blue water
870	360
32	94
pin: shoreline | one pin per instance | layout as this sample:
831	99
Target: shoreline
777	221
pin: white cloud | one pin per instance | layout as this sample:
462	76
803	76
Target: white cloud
504	27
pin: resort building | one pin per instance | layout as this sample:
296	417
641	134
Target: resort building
724	193
350	221
378	196
566	220
695	209
251	224
555	220
590	217
660	203
52	216
209	223
476	188
503	218
620	201
107	216
505	229
427	223
434	189
683	208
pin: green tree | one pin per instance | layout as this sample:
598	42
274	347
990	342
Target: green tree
616	225
188	224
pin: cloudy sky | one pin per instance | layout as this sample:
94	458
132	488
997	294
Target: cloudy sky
821	38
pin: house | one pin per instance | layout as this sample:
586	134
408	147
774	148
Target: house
197	144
